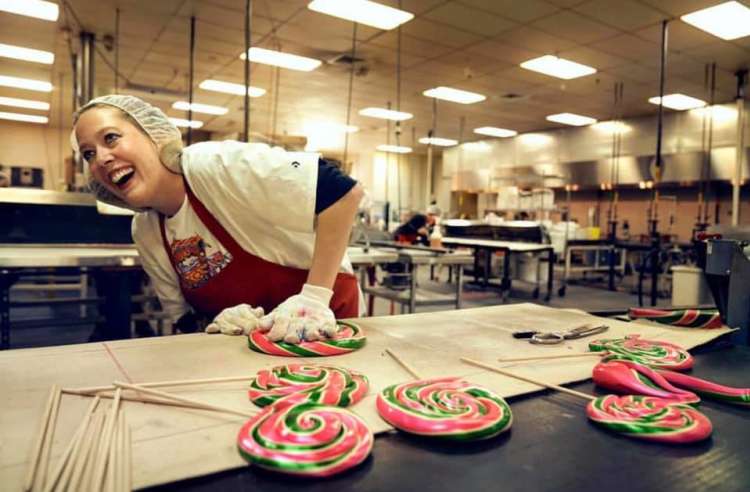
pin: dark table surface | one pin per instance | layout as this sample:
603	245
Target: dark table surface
551	446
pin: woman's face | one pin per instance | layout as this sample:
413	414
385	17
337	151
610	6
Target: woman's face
120	156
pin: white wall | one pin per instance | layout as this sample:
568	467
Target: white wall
34	145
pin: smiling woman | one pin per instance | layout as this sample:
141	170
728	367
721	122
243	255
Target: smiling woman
227	230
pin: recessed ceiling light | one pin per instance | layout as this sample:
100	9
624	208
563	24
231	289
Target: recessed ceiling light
27	118
558	67
396	149
182	123
495	132
26	54
440	142
231	88
571	119
31	8
24	103
386	114
200	108
363	12
283	60
679	102
454	95
29	84
728	20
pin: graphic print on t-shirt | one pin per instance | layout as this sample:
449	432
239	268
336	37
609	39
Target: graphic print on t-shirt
197	261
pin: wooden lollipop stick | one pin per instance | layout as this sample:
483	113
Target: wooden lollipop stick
65	459
128	465
549	357
37	449
157	384
199	404
49	436
403	364
528	380
101	463
80	475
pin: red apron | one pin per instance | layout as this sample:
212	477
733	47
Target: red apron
249	279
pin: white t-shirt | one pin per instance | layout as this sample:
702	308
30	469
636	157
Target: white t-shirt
265	199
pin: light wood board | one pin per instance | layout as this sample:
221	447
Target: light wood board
176	443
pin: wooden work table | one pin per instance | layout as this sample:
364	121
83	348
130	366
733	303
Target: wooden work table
551	445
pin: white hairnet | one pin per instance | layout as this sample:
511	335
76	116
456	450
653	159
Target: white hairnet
152	121
433	210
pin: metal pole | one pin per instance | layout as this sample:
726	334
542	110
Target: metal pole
117	51
190	80
349	100
86	73
740	149
246	120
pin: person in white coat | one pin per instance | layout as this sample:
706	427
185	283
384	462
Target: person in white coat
226	230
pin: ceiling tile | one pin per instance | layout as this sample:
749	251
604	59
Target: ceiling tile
726	55
575	27
413	45
680	7
533	39
592	57
622	14
416	7
433	31
628	46
469	19
680	36
472	64
502	52
635	72
525	11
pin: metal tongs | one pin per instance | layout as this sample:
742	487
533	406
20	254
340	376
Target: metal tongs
555	337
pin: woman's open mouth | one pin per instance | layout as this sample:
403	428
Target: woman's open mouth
121	176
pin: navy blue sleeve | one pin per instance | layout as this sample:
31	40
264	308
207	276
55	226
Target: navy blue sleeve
332	185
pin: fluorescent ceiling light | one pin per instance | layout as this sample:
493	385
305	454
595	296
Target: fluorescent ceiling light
440	142
612	127
396	149
31	8
23	103
680	102
29	84
200	108
363	12
558	67
231	88
283	60
718	113
495	132
571	119
729	20
386	114
26	54
179	122
28	118
454	95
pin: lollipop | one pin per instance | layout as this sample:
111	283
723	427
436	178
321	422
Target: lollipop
326	385
653	419
689	318
303	438
641	417
349	338
445	407
661	355
728	394
630	377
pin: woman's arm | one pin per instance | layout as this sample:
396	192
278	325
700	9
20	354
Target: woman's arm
332	237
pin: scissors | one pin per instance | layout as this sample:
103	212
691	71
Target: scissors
555	337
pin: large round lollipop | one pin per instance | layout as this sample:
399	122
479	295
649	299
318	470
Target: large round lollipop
327	385
629	377
303	438
653	419
640	417
655	354
349	338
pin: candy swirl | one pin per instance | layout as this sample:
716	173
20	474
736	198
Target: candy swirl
446	407
349	338
303	438
661	355
653	419
326	385
709	389
688	318
630	377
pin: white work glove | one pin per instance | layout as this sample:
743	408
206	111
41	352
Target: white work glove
303	317
237	320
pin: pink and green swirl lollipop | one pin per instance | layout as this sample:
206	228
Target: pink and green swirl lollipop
653	419
327	385
349	338
708	389
629	377
303	438
655	354
688	318
447	408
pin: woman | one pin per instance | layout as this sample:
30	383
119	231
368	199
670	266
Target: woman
227	230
